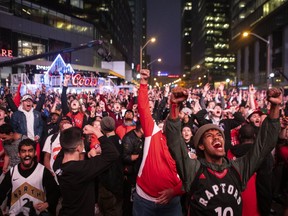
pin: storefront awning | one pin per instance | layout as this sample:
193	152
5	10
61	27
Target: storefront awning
116	74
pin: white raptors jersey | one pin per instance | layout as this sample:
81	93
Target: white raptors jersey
26	191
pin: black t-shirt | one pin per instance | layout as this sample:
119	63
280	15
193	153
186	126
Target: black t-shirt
77	179
216	193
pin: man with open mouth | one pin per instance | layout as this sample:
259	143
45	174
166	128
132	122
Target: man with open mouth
32	186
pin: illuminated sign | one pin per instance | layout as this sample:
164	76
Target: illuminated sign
162	74
42	67
59	66
6	53
173	76
78	80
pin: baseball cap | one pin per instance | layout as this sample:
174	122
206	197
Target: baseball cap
66	118
251	112
26	97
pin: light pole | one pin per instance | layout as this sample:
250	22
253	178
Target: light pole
142	48
268	44
159	60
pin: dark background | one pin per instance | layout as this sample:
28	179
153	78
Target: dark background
163	22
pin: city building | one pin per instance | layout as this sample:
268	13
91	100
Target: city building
139	21
262	55
35	27
208	28
186	27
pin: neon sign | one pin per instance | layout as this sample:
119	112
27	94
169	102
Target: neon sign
6	53
78	80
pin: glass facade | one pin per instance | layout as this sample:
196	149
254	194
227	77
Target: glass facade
210	45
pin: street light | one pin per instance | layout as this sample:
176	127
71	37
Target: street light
206	70
268	63
159	60
142	48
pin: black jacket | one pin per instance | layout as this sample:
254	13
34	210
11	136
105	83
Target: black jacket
132	145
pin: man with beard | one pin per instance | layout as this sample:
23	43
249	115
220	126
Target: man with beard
128	124
31	184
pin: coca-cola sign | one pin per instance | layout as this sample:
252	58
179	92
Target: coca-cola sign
78	80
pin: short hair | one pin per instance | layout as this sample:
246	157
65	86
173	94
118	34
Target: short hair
6	129
27	142
70	138
247	132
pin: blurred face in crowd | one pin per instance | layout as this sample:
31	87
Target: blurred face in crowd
64	125
187	134
27	154
135	106
255	118
213	146
96	124
7	138
181	115
217	111
27	105
129	116
211	105
75	105
2	114
117	107
54	118
186	118
98	109
234	103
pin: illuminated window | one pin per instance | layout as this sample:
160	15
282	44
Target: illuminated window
242	5
241	16
77	3
209	59
27	48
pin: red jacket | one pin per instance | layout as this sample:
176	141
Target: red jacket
158	169
124	129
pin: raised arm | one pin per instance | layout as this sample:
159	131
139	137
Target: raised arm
186	167
266	138
64	101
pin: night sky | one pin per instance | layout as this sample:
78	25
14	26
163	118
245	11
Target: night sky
163	22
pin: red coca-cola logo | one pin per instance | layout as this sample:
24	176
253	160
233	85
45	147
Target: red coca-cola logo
78	80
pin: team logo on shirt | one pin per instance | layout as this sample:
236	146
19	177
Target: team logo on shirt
220	189
28	189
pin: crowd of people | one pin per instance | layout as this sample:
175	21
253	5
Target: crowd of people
153	151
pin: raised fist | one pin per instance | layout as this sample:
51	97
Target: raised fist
179	94
144	75
274	96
